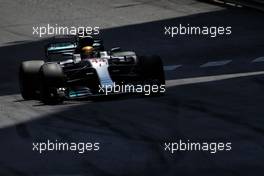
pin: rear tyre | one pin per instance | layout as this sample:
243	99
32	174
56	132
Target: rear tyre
152	73
29	78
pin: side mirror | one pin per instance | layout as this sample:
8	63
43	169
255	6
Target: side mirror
116	49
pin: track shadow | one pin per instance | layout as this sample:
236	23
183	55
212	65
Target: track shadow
132	133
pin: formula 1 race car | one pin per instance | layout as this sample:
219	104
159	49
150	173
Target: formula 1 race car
83	68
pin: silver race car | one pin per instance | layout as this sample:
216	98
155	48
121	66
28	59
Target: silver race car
83	68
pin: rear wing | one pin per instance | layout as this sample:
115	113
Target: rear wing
60	48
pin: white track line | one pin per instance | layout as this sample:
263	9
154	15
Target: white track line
171	67
259	59
216	63
203	79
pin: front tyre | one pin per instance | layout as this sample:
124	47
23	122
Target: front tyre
52	79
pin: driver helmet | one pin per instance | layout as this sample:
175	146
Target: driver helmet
87	52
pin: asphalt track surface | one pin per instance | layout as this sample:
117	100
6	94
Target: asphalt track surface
204	102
